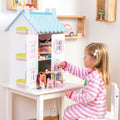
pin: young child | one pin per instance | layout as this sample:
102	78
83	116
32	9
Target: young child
92	99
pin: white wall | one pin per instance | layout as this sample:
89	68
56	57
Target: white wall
95	32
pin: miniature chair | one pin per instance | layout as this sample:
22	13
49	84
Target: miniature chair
50	83
113	114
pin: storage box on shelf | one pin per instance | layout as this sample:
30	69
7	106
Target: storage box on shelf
106	10
80	32
12	4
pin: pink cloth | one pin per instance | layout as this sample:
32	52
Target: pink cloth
71	94
65	65
91	100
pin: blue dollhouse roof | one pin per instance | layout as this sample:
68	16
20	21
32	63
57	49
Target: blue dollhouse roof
42	22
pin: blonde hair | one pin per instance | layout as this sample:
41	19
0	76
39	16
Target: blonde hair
100	52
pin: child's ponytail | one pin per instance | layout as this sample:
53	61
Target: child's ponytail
100	52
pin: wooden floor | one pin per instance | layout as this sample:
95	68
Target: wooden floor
49	118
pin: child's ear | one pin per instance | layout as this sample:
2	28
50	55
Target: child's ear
93	60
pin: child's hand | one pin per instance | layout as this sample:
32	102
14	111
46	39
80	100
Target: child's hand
62	64
68	92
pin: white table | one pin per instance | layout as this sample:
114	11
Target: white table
38	95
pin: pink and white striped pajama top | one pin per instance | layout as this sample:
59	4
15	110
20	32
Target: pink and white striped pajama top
91	100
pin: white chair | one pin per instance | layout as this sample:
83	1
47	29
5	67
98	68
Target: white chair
113	114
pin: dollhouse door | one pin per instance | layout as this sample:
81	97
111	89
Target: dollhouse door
58	42
31	74
32	48
31	61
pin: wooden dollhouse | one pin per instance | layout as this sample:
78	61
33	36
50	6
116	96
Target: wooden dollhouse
36	42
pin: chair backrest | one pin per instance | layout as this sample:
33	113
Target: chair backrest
114	100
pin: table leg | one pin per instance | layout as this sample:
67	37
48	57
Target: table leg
40	107
60	107
8	104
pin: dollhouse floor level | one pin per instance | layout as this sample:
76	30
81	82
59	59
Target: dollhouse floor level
44	59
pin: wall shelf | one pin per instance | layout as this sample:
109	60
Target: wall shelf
11	4
80	24
106	10
73	37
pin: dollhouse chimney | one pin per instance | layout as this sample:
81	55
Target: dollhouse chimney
47	10
53	11
27	11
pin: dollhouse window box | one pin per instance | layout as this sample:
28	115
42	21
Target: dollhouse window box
21	56
21	30
21	82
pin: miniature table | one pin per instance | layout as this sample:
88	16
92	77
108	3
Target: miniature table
38	95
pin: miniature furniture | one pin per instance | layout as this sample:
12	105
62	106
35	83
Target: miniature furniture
50	83
38	95
36	44
106	10
80	25
12	4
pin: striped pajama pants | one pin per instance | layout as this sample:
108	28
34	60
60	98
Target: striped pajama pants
72	113
75	112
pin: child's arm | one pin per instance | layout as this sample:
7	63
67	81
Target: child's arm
88	94
77	71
